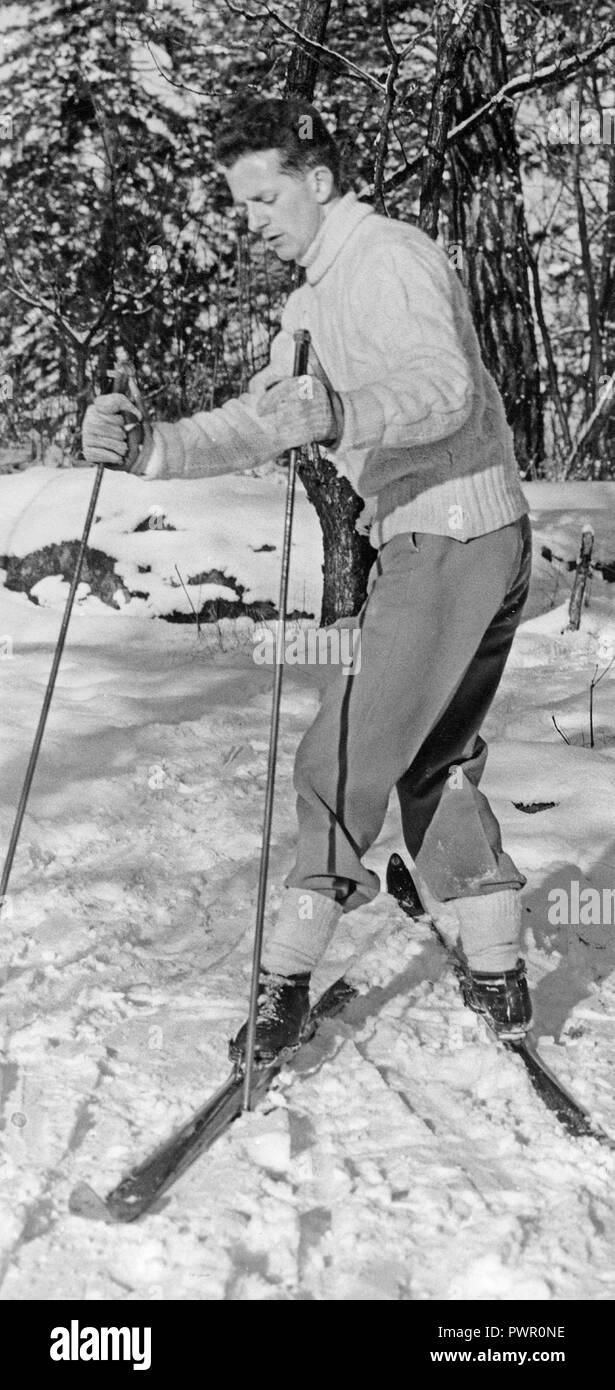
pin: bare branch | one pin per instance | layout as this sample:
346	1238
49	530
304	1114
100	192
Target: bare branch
557	72
183	86
607	267
595	355
328	57
547	346
601	410
100	317
386	34
25	295
451	52
387	109
560	731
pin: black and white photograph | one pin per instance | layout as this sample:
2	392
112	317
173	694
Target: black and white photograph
307	666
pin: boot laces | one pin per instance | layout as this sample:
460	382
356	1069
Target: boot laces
269	1002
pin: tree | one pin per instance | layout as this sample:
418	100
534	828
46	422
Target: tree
489	226
348	555
111	213
116	226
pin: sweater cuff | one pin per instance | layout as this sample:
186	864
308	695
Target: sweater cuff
362	420
152	465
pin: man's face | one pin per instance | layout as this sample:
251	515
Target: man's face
286	209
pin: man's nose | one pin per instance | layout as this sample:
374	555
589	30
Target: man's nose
256	219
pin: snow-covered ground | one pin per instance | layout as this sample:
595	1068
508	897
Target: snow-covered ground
405	1157
164	537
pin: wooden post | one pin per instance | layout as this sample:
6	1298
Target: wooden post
581	577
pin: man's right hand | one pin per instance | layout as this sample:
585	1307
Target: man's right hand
113	432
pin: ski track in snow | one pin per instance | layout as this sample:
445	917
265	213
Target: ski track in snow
404	1157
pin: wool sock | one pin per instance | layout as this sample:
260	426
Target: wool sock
487	924
301	933
490	929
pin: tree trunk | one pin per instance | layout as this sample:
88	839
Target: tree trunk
453	40
606	305
347	555
103	269
302	70
490	229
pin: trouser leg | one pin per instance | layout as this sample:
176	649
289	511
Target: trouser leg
449	826
430	607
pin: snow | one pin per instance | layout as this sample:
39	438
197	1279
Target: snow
213	521
404	1157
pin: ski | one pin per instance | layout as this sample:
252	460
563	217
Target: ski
137	1192
570	1113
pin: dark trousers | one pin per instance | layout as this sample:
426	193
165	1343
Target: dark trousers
436	630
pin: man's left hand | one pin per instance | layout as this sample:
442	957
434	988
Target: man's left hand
301	410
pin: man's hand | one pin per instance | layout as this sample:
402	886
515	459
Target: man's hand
302	411
114	433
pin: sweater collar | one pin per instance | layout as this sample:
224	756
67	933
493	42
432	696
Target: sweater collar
332	235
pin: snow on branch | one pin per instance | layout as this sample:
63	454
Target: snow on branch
602	408
556	72
22	292
328	57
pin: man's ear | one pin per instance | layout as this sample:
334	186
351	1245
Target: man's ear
322	183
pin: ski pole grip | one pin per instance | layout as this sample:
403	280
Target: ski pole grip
119	381
301	340
124	383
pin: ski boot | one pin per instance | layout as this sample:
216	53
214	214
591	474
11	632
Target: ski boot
502	998
282	1013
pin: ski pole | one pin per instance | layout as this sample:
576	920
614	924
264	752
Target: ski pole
120	375
302	345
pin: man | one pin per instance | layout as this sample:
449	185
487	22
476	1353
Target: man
401	399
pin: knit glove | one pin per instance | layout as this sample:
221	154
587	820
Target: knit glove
115	433
302	411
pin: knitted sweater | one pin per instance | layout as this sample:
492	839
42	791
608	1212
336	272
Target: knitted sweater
424	434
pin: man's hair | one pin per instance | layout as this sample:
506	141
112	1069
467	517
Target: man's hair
250	124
